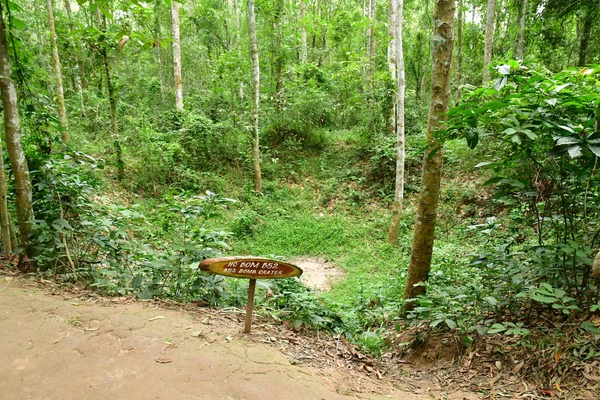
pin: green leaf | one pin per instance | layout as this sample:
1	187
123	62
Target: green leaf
472	138
543	299
500	83
497	328
450	323
566	140
574	151
566	128
595	149
504	69
561	87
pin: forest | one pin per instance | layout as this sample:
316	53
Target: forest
440	155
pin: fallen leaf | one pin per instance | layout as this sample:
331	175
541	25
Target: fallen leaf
367	368
557	357
155	318
495	379
518	367
548	392
558	388
163	360
93	328
590	377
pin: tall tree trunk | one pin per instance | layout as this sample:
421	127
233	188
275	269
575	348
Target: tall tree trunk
16	155
391	50
304	49
489	40
391	59
254	108
111	97
372	42
238	27
158	38
400	139
585	39
4	213
176	56
459	54
520	54
424	231
279	62
80	79
62	112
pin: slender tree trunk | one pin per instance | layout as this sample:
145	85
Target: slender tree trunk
237	26
4	214
522	25
489	40
176	56
158	39
424	232
254	109
459	44
111	97
62	112
304	50
279	62
391	53
80	79
400	139
585	39
372	41
16	155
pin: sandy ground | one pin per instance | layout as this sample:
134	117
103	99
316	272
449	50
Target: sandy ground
53	347
317	274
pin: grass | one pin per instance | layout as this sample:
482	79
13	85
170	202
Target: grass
321	211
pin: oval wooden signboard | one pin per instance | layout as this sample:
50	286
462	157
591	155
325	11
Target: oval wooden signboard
250	267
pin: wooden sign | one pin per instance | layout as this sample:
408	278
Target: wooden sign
252	268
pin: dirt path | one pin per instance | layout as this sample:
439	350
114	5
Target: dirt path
57	348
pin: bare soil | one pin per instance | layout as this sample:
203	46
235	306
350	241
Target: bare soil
68	343
59	344
318	273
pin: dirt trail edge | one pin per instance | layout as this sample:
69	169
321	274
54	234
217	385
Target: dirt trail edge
57	348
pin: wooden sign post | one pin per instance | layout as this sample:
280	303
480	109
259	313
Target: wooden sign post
252	268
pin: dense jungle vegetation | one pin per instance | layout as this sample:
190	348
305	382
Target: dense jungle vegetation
141	137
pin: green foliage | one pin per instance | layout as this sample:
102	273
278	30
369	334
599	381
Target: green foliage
542	129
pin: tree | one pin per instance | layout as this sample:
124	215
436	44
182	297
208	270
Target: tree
303	51
255	102
489	40
371	49
4	214
176	55
400	139
81	81
16	155
424	231
278	54
459	46
520	53
112	99
62	113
